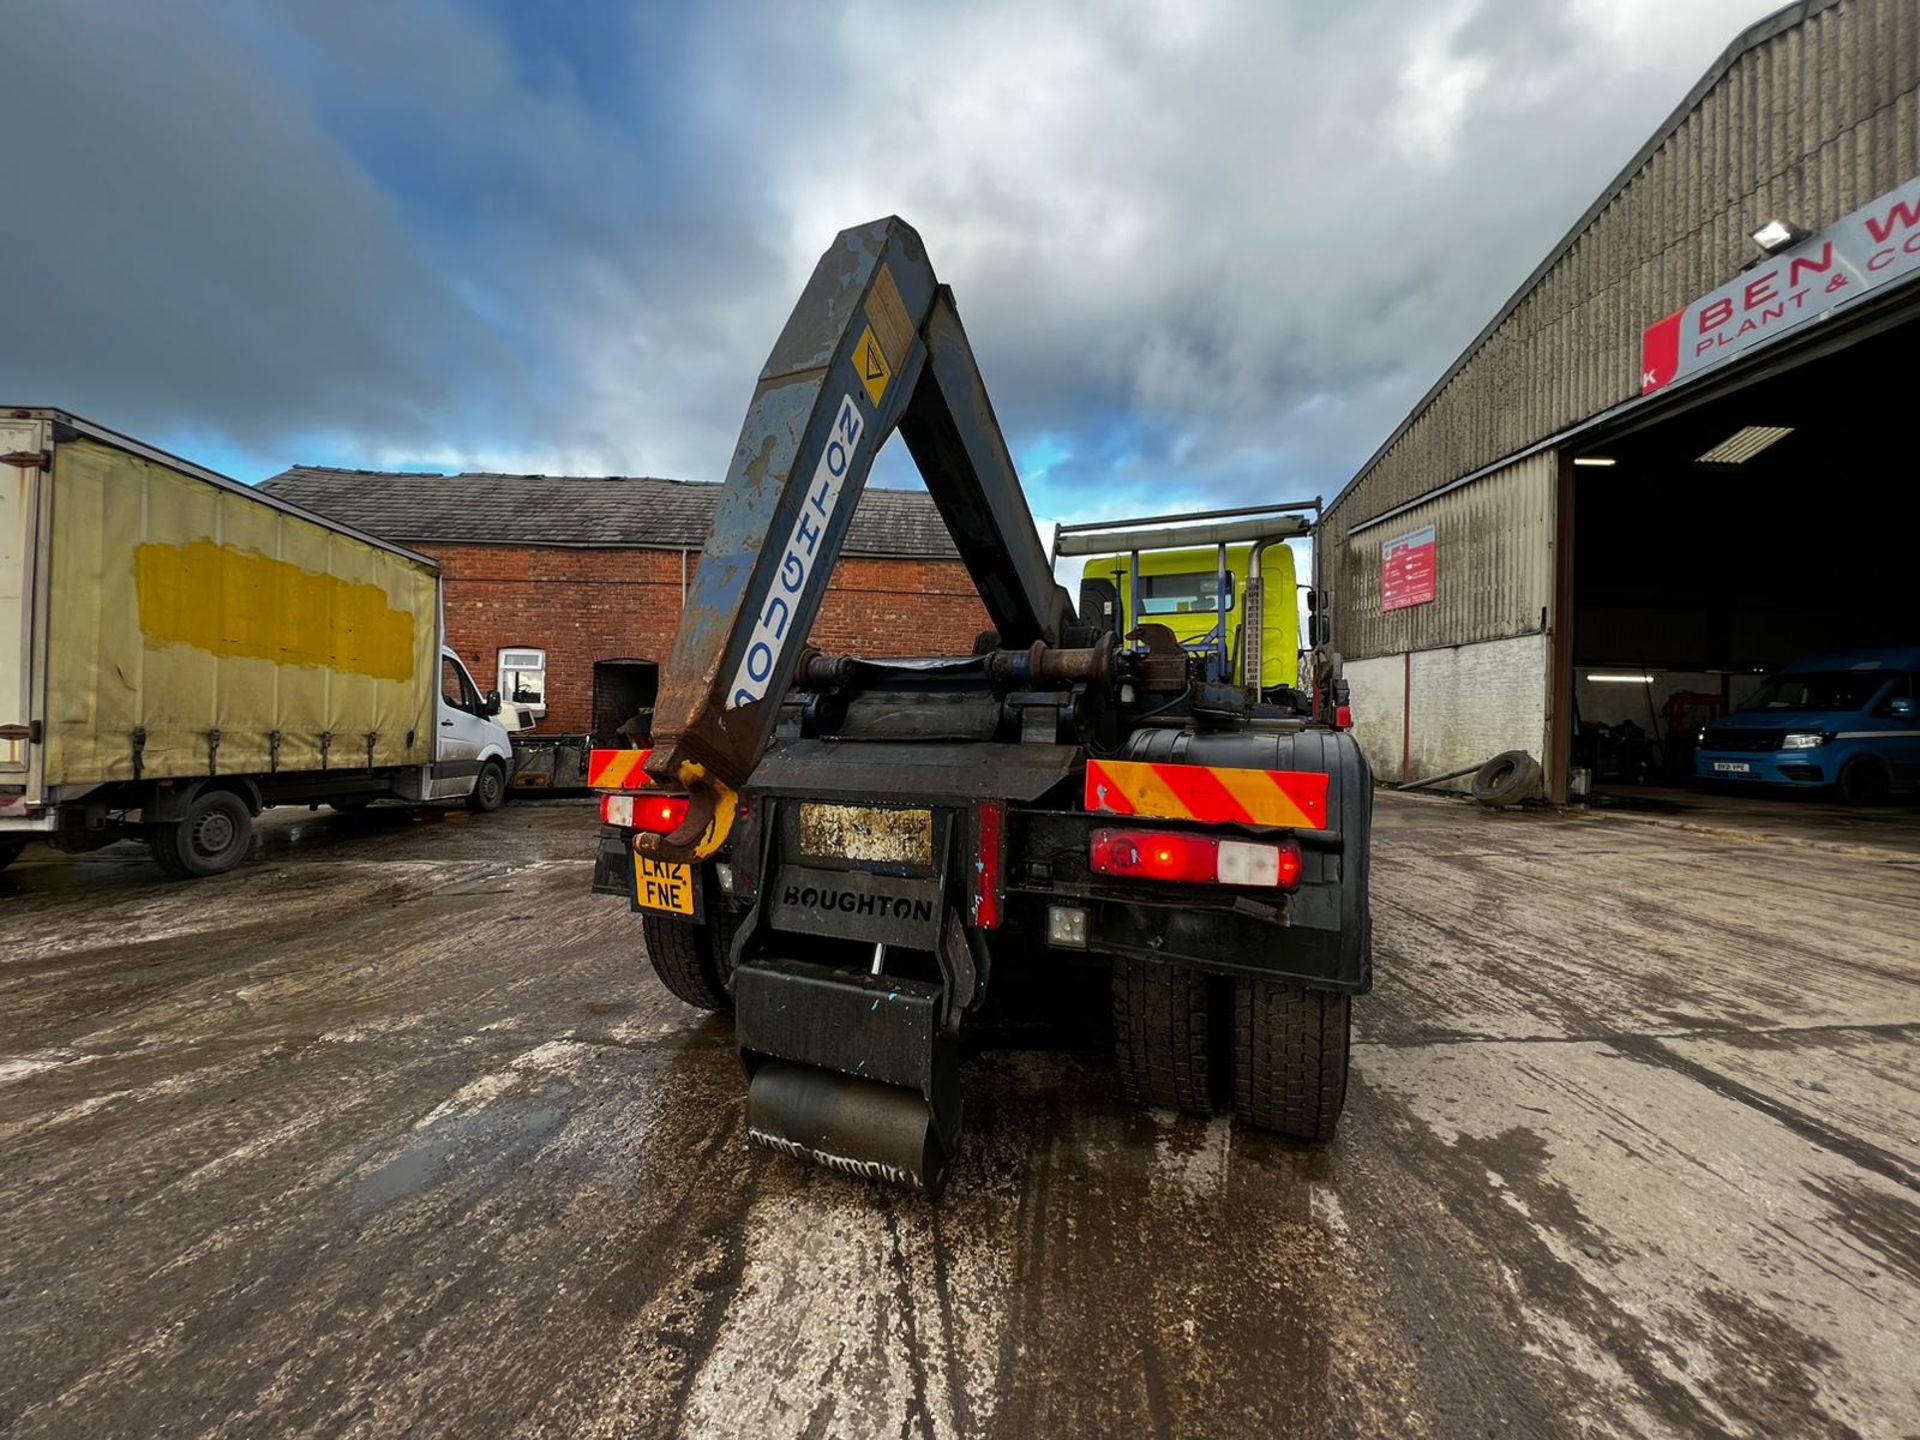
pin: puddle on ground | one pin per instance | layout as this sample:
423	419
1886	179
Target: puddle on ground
496	1138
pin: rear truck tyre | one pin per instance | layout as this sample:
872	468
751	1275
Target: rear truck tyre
1506	779
211	838
1163	1035
1865	781
693	961
1290	1057
489	789
10	851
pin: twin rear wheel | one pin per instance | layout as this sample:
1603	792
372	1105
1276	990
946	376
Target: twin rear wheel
693	961
1189	1041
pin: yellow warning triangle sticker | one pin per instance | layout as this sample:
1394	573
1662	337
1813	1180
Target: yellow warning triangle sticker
871	364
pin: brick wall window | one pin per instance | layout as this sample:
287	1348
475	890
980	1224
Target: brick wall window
523	679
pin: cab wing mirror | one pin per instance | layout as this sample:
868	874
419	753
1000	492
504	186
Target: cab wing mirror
1903	707
491	705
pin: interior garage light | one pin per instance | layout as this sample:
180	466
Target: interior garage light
1777	235
1744	444
1594	460
1622	679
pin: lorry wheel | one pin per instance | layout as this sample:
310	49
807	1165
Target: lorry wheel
1290	1057
210	839
1162	1035
692	960
10	851
489	789
1865	782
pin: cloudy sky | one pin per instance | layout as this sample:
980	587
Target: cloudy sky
1207	252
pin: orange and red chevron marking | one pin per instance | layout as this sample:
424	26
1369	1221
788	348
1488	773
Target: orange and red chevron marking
617	769
1293	799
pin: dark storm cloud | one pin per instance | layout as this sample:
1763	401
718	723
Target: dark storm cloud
182	243
1204	250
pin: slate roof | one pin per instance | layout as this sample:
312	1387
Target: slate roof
615	511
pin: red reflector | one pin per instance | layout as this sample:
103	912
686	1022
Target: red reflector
1193	859
989	858
1343	718
658	813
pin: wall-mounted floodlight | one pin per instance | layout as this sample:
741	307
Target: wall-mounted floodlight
1777	235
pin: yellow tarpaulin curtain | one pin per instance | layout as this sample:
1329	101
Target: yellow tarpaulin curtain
182	610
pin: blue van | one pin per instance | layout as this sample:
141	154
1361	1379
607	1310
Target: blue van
1844	720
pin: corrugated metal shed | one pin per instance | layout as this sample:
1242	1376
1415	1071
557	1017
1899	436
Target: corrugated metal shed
1809	114
1493	550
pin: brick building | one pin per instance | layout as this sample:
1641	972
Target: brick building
569	587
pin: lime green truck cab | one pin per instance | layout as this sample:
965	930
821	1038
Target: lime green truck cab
1181	589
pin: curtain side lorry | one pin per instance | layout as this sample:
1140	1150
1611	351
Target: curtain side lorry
179	651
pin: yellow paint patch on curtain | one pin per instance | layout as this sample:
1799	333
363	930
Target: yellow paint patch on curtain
233	602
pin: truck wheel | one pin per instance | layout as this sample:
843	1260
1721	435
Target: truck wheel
1162	1035
489	789
10	851
210	839
692	960
1865	781
1290	1057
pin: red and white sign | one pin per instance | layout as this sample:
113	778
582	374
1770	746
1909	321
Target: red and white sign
1869	249
1408	573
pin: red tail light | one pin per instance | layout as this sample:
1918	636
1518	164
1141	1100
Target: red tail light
1193	859
658	813
1343	717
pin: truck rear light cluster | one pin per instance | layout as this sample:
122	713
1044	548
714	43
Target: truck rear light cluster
661	814
1194	859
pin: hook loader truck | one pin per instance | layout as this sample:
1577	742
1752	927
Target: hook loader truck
857	856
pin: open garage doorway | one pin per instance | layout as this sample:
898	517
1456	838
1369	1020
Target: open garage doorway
1753	529
623	696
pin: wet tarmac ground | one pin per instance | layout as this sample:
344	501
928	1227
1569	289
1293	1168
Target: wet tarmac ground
393	1132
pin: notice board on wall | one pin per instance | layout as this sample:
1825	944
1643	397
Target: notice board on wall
1408	574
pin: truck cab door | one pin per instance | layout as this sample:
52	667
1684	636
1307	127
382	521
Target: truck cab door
461	733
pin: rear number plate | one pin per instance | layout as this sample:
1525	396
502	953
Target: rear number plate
1733	767
663	887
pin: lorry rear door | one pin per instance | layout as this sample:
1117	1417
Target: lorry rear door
23	443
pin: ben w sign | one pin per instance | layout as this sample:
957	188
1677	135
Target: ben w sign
1870	249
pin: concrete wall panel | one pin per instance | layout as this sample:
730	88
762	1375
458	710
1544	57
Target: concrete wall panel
1378	689
1451	707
